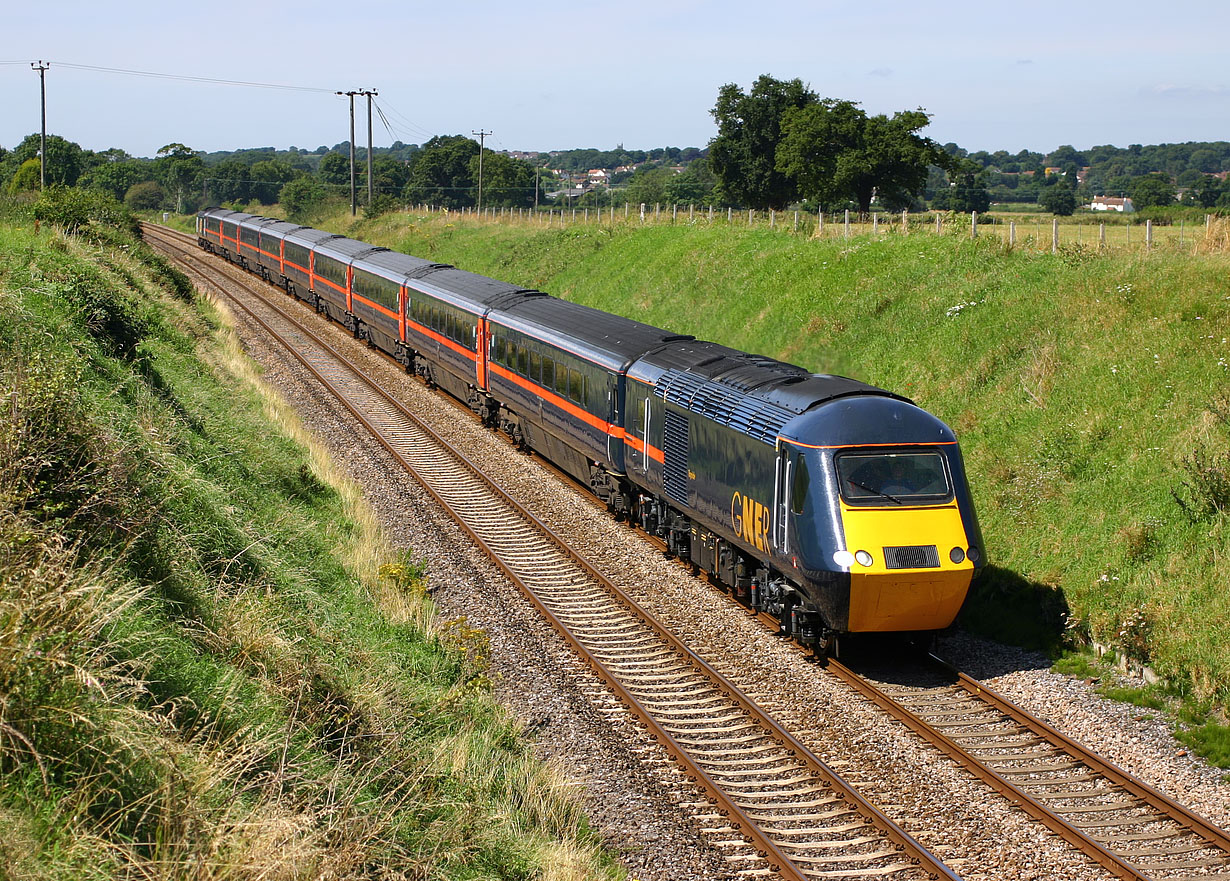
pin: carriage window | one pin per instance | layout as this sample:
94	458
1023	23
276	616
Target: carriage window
523	360
535	366
548	373
892	478
561	379
501	349
798	492
576	386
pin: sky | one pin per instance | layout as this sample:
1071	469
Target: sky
599	74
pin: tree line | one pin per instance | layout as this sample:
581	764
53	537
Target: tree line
778	144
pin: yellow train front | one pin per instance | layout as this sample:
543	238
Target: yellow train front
876	527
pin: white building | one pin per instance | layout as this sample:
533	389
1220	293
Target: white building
1111	203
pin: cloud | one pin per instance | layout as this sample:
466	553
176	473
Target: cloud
1024	62
882	72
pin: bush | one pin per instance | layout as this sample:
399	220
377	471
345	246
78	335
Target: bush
146	196
74	209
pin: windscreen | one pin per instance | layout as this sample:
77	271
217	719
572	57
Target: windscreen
898	478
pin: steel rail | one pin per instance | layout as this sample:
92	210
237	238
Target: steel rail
1102	853
732	812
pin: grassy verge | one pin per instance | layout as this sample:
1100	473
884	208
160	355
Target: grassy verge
211	663
1089	391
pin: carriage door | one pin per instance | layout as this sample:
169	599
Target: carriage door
781	499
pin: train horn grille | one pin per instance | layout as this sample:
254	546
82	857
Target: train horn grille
912	557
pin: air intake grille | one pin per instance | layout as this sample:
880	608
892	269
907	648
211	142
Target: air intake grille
675	464
914	557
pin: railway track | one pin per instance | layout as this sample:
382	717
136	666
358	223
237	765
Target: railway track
770	804
1126	826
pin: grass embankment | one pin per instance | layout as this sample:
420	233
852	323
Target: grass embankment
1091	395
211	664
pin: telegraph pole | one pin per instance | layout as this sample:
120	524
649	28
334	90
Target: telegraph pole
369	93
42	150
482	137
353	203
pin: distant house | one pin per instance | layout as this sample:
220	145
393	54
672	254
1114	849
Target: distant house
1111	203
1052	169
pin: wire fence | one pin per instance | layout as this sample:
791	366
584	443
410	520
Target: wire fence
1027	232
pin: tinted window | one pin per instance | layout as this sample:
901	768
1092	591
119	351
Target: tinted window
535	366
892	478
576	386
548	373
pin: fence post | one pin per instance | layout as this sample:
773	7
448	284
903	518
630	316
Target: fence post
973	224
657	210
796	221
875	224
1208	223
1102	234
1180	233
729	215
1011	233
691	212
711	214
1054	234
847	234
820	222
938	221
642	213
1148	235
905	222
751	216
772	219
674	211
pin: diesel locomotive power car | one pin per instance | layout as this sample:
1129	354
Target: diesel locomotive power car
837	506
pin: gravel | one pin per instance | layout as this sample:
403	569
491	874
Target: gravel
635	798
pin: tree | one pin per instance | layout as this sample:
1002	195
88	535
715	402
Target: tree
26	180
301	195
116	177
968	192
180	168
1206	191
1058	198
268	178
335	169
836	153
441	175
507	182
743	156
146	196
65	160
1152	190
694	186
648	186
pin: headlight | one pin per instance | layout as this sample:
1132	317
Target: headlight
844	559
956	555
863	558
974	556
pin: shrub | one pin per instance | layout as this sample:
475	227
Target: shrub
146	196
73	209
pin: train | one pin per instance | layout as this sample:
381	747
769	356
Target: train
831	504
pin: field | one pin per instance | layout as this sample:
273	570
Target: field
1089	391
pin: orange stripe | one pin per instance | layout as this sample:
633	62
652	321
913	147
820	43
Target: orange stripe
567	406
865	445
377	307
638	445
443	340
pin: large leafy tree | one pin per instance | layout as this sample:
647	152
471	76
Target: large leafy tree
441	175
507	182
837	153
1058	198
743	156
118	176
1152	190
968	191
180	169
268	178
65	159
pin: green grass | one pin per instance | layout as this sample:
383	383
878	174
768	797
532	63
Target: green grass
204	666
1089	391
